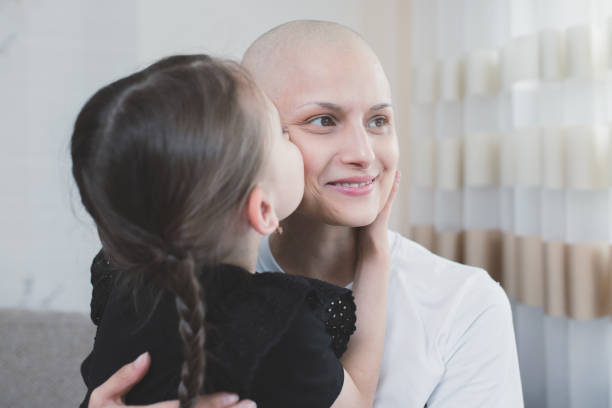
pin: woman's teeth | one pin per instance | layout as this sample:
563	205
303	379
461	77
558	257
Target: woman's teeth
354	185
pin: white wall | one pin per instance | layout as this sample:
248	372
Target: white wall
53	56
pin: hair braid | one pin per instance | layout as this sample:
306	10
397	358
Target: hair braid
190	309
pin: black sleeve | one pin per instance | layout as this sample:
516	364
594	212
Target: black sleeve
102	274
101	283
301	370
122	335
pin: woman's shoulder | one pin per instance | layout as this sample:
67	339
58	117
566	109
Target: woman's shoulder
425	272
462	294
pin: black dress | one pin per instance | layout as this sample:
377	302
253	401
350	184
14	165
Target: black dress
270	337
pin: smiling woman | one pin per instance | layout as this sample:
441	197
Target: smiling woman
450	339
343	124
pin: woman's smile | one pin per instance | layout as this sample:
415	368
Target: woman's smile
354	186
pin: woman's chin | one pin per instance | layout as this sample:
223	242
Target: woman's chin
354	219
345	214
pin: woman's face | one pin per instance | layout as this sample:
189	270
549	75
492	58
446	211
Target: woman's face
337	108
284	169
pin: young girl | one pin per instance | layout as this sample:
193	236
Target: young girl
184	167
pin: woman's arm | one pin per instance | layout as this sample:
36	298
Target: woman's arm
363	357
110	394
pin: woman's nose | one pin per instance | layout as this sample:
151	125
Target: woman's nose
356	147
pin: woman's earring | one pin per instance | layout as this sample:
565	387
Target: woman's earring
279	230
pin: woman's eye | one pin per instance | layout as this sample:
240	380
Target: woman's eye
378	122
322	121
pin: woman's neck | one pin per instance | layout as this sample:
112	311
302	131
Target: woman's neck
310	248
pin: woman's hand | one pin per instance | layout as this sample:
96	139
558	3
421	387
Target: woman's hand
111	393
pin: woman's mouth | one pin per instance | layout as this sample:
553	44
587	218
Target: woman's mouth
354	186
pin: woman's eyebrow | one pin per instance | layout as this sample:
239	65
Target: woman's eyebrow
380	106
338	108
325	105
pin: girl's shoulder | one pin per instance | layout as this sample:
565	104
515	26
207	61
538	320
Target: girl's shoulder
258	327
273	328
331	304
269	303
303	327
269	299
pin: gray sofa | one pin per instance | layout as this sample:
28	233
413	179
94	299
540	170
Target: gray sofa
40	357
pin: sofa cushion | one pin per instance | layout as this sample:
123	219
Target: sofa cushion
40	357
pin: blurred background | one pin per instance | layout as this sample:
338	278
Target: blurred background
504	110
511	170
53	56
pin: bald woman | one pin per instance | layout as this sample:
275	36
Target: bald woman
449	339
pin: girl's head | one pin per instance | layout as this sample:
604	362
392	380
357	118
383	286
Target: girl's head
166	160
172	164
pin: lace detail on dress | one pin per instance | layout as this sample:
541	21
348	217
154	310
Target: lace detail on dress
340	323
336	308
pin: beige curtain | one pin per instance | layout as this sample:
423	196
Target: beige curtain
511	171
511	157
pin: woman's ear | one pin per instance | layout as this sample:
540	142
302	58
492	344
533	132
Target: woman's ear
260	212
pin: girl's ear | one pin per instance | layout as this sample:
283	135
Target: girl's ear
260	212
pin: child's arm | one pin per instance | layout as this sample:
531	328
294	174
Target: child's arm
363	357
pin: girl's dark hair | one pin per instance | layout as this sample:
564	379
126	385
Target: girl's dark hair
164	160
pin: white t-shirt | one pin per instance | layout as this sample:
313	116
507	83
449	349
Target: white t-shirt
450	339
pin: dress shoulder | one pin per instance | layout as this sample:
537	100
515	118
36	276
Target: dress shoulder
301	370
335	306
102	273
255	324
299	328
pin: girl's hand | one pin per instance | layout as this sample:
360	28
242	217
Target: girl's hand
111	393
372	239
362	359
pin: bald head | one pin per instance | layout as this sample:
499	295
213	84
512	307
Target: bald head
334	101
300	34
279	53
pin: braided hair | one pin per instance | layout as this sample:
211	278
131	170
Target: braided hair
164	160
190	310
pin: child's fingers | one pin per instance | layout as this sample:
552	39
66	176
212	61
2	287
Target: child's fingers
393	191
383	216
223	400
218	400
378	229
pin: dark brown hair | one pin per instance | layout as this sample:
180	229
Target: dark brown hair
164	160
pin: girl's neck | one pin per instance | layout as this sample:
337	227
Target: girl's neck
244	252
308	247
